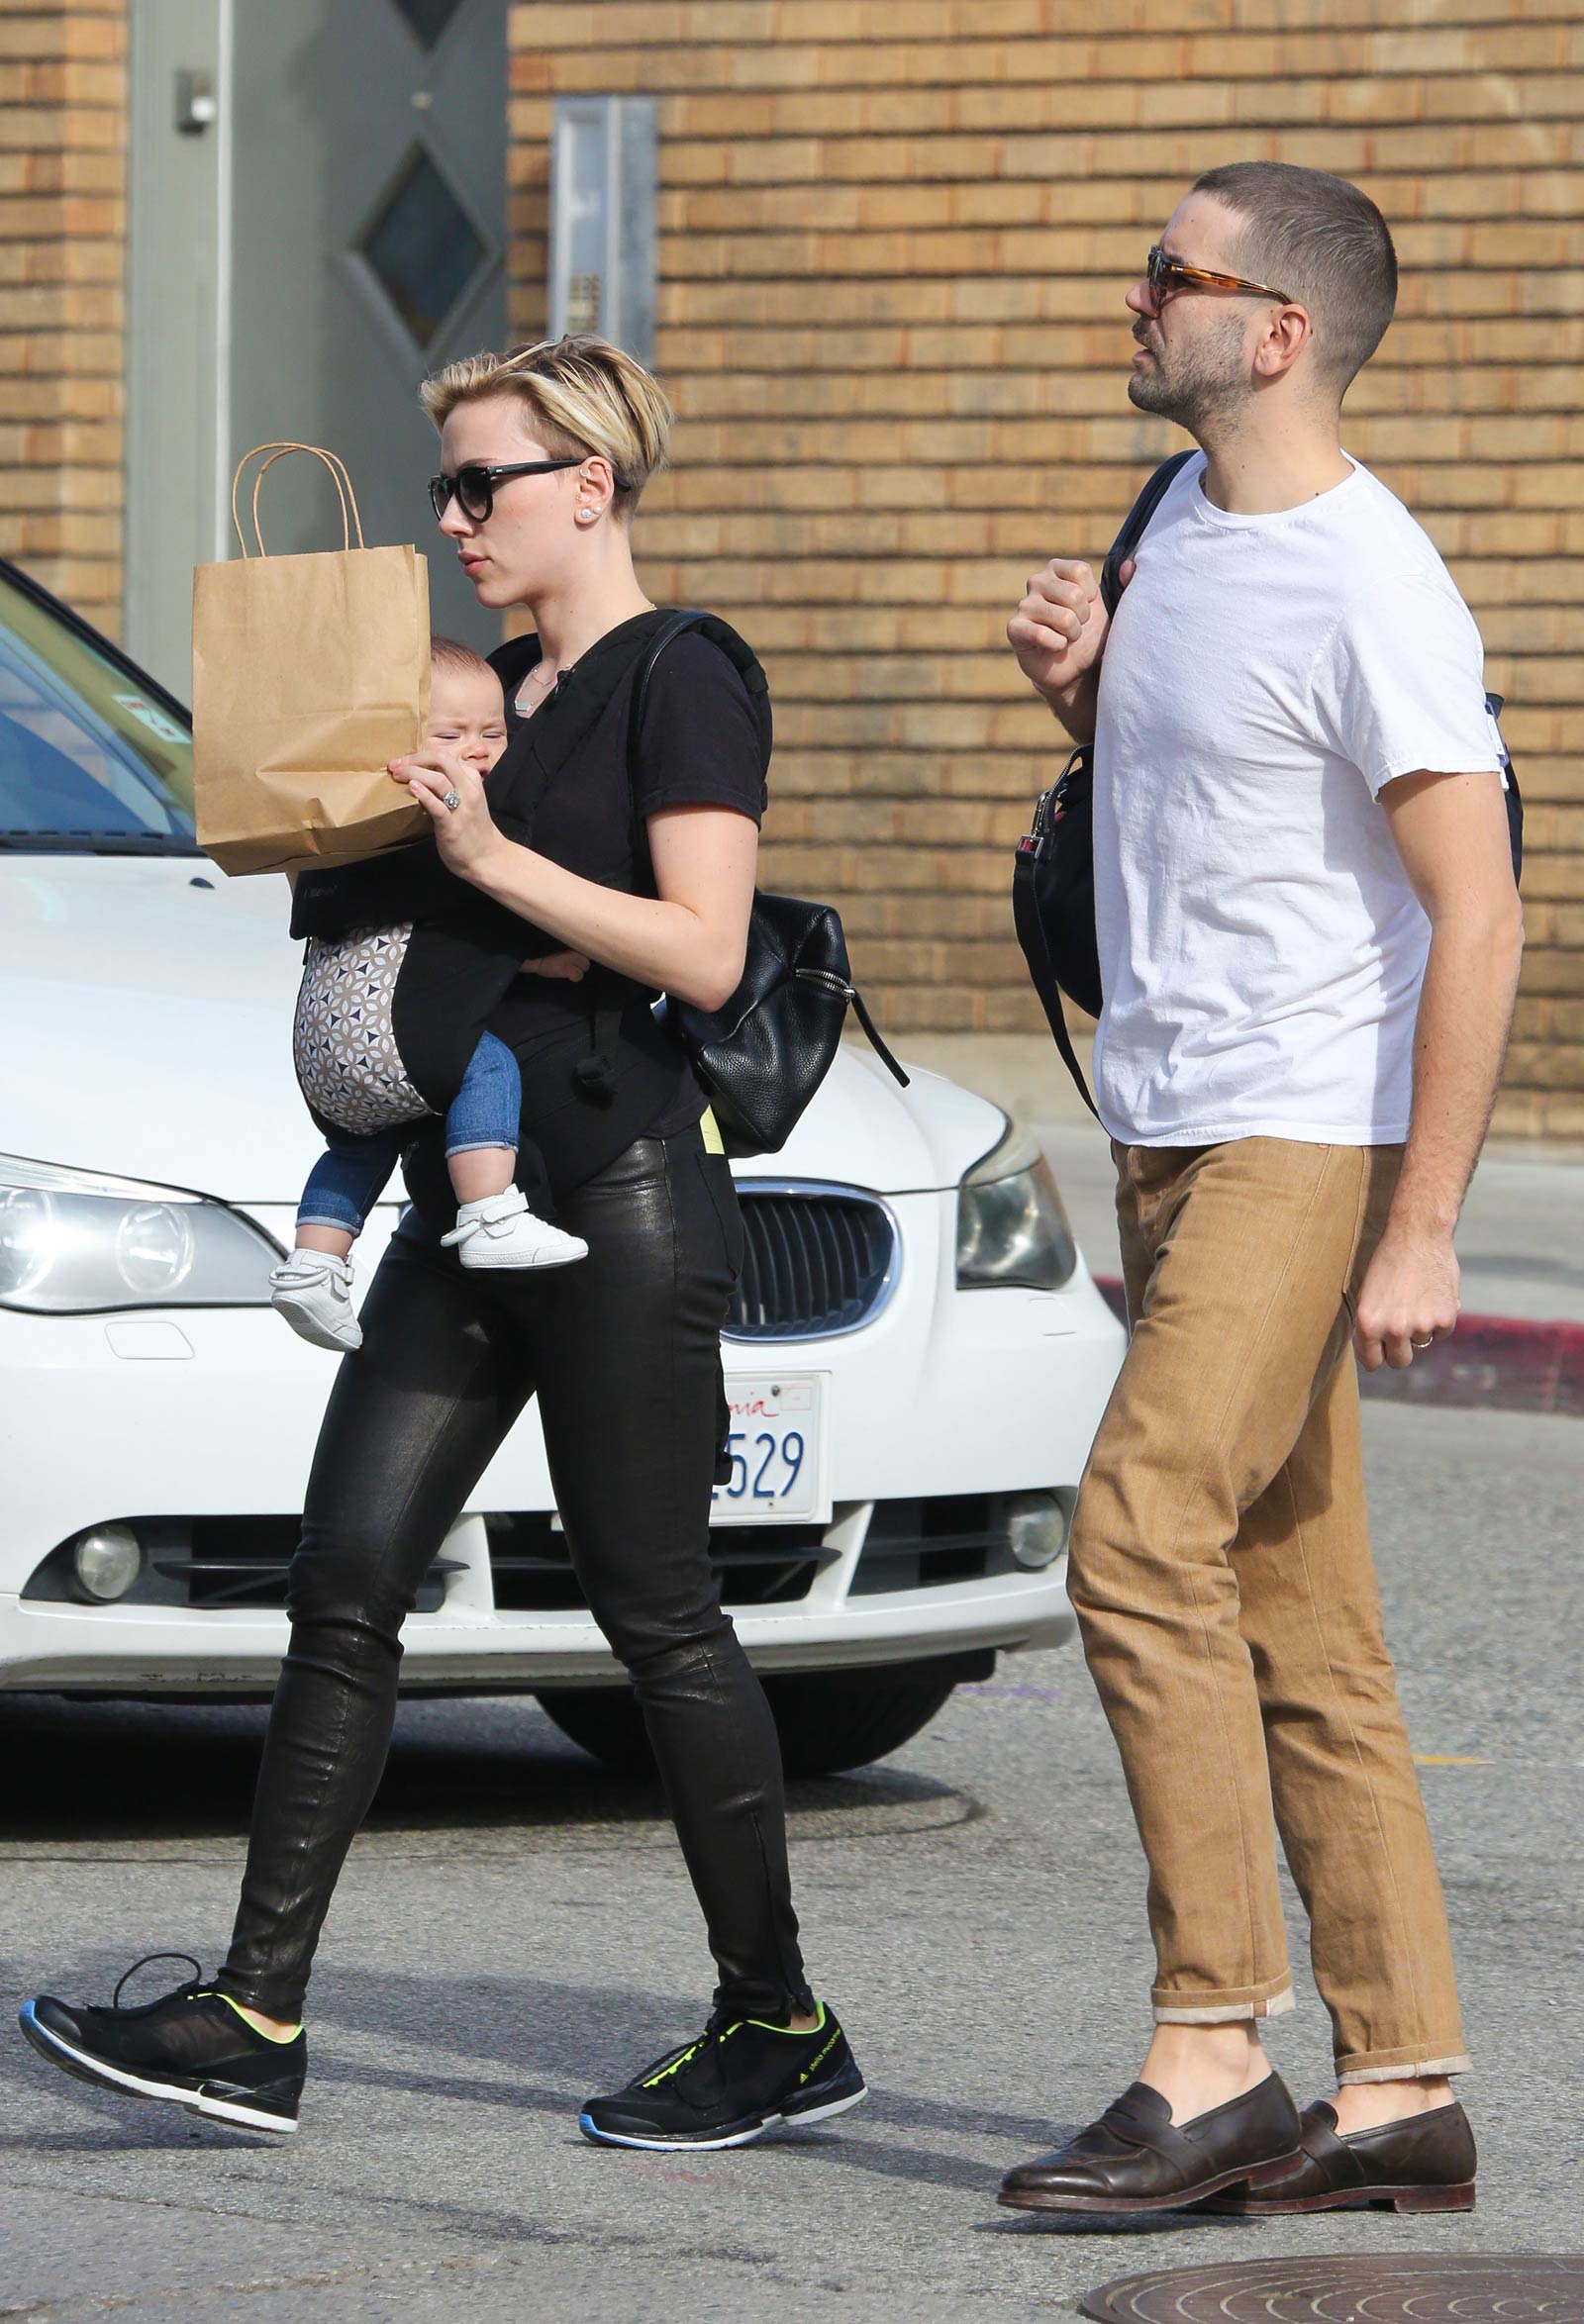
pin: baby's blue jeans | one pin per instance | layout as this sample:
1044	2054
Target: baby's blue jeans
352	1174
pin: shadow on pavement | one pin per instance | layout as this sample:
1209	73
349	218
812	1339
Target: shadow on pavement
1112	2224
96	1771
527	2045
517	2045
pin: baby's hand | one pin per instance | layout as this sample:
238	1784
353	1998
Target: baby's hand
573	966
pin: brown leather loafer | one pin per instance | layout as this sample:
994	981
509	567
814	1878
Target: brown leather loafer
1136	2159
1424	2162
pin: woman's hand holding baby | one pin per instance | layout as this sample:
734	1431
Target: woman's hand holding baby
466	835
570	967
465	832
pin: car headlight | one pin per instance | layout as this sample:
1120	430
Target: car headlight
1011	1225
73	1243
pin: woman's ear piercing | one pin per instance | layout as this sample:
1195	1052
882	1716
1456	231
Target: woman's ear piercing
585	516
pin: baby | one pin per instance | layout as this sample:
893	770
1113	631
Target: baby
360	1095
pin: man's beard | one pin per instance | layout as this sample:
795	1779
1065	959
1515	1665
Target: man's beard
1196	386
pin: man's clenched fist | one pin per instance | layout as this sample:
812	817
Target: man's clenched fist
1058	634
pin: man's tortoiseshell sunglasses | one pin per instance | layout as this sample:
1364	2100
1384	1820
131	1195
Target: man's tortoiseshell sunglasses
1165	273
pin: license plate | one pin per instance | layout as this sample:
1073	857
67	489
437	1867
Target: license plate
777	1451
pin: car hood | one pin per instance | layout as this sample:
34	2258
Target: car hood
146	1008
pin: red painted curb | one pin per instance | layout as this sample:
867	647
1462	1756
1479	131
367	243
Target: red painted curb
1494	1363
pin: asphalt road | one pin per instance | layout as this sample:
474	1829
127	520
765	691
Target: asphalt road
514	1931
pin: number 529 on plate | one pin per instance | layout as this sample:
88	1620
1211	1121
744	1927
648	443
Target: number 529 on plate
776	1448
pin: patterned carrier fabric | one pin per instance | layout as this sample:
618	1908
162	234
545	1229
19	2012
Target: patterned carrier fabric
349	1067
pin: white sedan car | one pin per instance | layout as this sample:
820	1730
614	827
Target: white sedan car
917	1357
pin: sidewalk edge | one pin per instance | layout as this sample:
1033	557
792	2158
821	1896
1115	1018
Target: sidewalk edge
1492	1363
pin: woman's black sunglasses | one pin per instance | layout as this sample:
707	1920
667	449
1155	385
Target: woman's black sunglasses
475	484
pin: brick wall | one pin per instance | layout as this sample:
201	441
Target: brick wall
894	238
63	172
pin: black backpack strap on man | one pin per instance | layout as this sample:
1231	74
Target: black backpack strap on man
1054	872
762	1056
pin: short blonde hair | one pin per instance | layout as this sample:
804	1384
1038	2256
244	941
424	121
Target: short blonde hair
579	395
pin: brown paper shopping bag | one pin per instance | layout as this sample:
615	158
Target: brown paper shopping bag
308	673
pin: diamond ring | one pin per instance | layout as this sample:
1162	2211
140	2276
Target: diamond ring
452	800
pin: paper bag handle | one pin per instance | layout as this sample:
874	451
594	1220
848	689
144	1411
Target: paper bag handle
277	451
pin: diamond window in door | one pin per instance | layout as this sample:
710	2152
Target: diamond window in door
422	248
429	18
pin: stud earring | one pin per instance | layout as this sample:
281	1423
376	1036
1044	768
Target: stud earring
585	516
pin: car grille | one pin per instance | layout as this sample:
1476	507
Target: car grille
816	1262
754	1565
926	1543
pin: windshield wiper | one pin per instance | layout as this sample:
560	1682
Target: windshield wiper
46	842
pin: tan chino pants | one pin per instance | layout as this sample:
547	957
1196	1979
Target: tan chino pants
1222	1575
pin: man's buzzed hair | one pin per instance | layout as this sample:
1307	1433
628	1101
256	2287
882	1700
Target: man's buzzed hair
1322	242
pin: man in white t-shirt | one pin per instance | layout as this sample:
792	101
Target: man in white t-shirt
1309	939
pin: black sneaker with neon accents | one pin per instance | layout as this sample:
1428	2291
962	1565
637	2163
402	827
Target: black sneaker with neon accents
741	2077
192	2048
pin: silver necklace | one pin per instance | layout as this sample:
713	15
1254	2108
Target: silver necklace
535	676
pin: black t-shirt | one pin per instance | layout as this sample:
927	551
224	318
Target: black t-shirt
564	788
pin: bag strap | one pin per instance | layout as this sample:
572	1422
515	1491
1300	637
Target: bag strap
743	660
349	515
595	1073
675	625
1135	525
849	991
1024	911
691	618
873	1035
1030	932
726	640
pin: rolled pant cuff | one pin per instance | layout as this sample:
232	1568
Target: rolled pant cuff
1415	2070
1226	2008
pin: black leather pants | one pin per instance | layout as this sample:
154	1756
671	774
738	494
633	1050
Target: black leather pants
449	1358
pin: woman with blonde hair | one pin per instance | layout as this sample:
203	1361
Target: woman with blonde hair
632	879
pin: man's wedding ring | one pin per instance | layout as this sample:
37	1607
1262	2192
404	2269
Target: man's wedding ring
1423	1343
452	800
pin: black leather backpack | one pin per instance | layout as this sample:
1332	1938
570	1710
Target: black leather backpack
763	1055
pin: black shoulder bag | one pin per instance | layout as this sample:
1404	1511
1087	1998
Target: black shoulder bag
1053	871
763	1055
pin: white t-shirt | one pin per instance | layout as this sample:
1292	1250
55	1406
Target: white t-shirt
1260	947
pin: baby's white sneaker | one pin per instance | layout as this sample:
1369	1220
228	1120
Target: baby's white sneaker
500	1231
314	1292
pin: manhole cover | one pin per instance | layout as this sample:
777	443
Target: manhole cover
1414	2288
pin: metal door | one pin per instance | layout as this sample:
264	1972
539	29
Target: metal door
368	201
334	235
177	431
